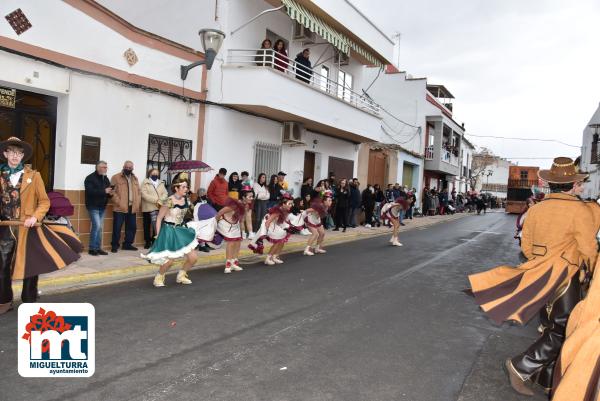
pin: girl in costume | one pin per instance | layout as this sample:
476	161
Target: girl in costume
173	240
274	228
391	212
228	226
313	218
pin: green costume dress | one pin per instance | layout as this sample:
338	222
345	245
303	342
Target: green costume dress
174	240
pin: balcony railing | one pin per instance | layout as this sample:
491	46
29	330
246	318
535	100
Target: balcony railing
449	157
522	183
429	152
270	59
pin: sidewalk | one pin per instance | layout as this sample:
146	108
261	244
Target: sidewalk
127	265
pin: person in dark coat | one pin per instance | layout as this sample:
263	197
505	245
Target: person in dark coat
341	205
355	202
303	66
379	201
307	188
368	204
97	193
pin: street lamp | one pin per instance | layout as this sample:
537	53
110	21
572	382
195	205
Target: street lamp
487	181
212	39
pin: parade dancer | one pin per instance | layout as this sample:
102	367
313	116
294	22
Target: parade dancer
275	229
313	219
391	212
559	241
173	240
27	248
228	226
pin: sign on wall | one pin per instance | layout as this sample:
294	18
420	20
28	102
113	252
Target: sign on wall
8	97
90	149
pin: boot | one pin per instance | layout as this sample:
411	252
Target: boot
269	261
159	280
236	266
318	249
308	252
182	277
515	380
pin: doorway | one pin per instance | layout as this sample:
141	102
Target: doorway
341	168
309	166
33	120
377	168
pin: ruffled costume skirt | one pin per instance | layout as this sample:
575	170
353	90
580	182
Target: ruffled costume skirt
276	234
173	242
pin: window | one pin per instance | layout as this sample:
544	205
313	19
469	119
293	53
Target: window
345	86
267	159
162	151
524	174
325	86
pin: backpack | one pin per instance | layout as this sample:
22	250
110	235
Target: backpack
60	205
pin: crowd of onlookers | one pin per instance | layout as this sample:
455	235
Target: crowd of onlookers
352	205
277	57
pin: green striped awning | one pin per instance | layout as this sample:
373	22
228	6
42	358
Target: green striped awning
315	24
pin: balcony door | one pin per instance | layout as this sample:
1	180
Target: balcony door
32	118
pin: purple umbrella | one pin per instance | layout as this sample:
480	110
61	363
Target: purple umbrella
191	166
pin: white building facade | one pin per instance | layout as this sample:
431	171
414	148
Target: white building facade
590	155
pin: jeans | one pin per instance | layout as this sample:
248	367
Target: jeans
353	215
377	213
401	215
130	228
409	213
97	219
260	210
149	221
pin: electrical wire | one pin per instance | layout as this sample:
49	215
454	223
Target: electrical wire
524	139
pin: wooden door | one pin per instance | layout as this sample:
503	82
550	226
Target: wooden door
309	166
407	175
377	168
341	168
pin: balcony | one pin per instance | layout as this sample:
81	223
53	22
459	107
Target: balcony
257	81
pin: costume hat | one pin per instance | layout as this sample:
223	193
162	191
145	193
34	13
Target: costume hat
563	171
14	141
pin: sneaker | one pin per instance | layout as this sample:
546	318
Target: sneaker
305	231
236	266
320	250
93	252
367	226
101	252
277	260
182	277
269	261
308	252
402	224
159	280
129	248
251	235
114	250
227	270
396	243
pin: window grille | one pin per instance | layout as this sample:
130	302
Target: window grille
162	151
267	159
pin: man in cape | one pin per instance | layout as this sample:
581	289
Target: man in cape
559	242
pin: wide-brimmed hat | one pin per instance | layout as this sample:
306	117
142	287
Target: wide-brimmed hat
14	141
563	171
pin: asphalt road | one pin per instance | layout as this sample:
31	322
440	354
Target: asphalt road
366	321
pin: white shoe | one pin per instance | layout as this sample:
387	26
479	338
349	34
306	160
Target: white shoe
245	235
269	261
251	235
236	267
227	270
305	231
182	278
367	226
159	280
277	260
308	252
392	239
396	243
319	250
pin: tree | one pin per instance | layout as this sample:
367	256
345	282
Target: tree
482	160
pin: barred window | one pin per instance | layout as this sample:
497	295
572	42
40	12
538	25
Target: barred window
267	159
163	150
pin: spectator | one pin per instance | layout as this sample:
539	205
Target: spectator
97	193
274	191
341	205
412	201
401	194
307	187
379	200
281	56
126	203
389	193
154	194
368	204
435	202
262	195
264	57
443	196
246	221
303	67
281	180
218	190
234	186
245	179
332	184
355	202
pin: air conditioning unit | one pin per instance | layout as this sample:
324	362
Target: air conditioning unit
303	34
292	133
341	58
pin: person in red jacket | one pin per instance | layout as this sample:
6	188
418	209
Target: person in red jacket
218	190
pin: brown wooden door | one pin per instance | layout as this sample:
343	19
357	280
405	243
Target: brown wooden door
342	168
377	168
309	166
